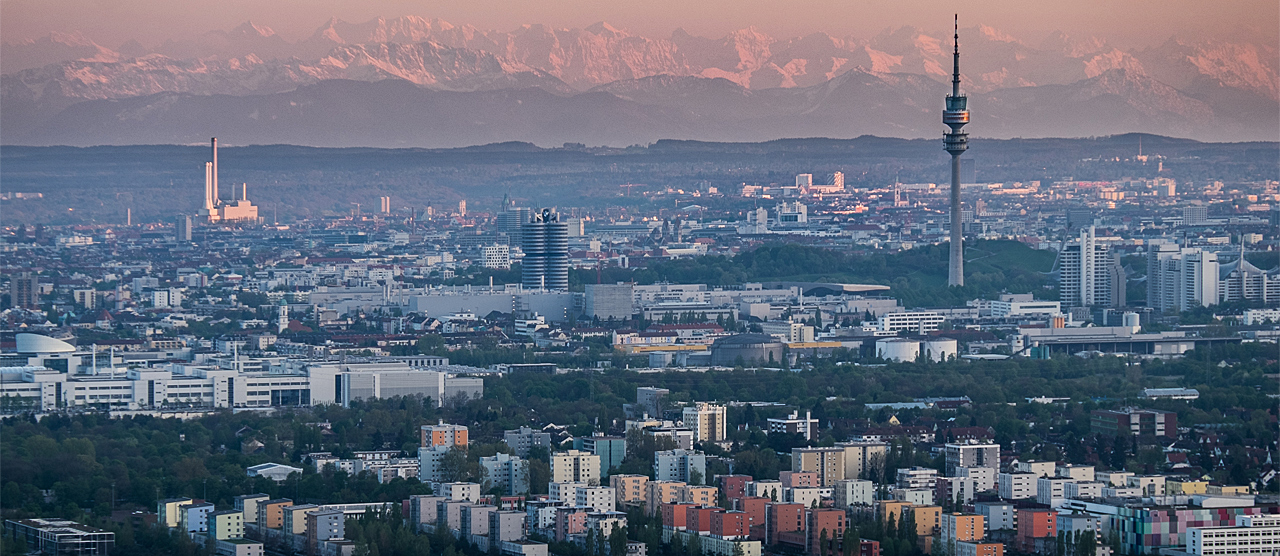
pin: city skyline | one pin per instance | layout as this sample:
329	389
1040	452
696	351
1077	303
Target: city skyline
644	278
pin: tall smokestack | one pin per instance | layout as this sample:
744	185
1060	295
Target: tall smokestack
215	168
209	182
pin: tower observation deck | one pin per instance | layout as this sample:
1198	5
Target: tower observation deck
956	142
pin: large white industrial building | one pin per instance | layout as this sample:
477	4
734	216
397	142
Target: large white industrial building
215	382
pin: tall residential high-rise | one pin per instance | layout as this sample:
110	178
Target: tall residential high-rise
685	466
24	291
183	228
1195	215
1179	279
507	472
707	421
510	221
956	142
522	439
1086	274
971	455
546	252
650	401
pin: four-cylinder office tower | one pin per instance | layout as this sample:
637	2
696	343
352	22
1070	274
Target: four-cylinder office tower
956	142
546	252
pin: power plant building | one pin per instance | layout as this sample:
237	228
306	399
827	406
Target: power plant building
215	209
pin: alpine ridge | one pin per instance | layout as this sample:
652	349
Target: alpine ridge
1195	88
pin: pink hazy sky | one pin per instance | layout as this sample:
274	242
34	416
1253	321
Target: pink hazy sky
1123	22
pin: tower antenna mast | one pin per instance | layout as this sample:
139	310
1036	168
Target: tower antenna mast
956	142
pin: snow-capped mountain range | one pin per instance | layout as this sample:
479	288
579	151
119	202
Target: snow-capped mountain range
742	82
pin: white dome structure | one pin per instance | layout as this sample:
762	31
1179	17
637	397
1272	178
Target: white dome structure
897	349
36	343
940	349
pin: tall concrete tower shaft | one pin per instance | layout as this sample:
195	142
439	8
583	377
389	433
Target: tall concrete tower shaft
216	191
956	142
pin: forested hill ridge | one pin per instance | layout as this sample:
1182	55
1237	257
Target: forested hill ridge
294	182
917	277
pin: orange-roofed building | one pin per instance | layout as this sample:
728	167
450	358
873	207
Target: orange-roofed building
443	435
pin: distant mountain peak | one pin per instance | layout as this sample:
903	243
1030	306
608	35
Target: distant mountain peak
604	28
251	29
1194	79
990	33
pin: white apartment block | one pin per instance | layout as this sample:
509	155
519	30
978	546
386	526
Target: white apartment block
429	463
917	477
853	492
1121	492
1037	468
707	421
765	489
916	496
680	465
1015	309
495	256
1151	485
1113	478
1051	491
808	497
575	466
961	490
460	491
910	321
1016	486
1087	273
971	456
985	477
564	492
1181	278
602	499
1077	472
996	516
1256	534
1082	490
787	331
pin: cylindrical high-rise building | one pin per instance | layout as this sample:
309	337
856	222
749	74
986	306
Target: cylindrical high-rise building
956	142
546	252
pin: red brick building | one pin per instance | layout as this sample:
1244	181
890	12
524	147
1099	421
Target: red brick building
675	516
730	525
783	518
734	486
1035	524
699	518
820	520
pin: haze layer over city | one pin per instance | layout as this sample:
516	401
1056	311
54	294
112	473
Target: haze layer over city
633	278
